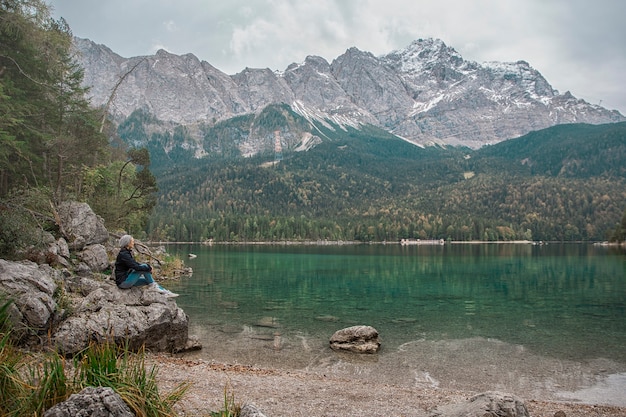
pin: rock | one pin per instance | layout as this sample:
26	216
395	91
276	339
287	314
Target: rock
192	344
327	318
95	257
81	226
358	339
51	251
32	287
56	254
92	402
487	404
250	410
137	316
64	249
83	270
96	310
271	322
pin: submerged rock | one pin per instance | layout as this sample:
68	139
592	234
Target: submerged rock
327	318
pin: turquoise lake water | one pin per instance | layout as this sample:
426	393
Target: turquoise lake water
278	305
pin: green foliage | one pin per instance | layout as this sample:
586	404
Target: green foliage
24	217
46	386
231	408
109	365
50	137
11	387
368	185
48	130
564	151
619	234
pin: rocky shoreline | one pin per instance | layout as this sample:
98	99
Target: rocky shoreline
277	392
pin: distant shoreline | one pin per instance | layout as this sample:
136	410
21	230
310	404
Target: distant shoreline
356	242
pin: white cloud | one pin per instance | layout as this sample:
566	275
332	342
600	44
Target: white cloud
170	26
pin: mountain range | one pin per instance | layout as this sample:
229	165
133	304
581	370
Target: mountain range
424	94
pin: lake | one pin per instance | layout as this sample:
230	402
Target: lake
541	320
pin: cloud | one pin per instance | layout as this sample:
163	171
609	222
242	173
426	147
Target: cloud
170	26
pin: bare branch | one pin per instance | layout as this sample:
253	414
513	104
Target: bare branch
25	74
112	96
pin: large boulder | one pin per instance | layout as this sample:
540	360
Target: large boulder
92	402
95	257
80	225
489	404
359	339
136	316
32	289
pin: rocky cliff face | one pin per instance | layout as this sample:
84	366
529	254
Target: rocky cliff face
426	93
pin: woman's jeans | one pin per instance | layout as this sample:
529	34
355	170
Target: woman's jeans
136	279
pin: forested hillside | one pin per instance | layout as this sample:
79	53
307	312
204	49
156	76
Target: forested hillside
562	183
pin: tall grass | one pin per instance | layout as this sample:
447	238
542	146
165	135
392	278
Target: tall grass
231	408
45	385
29	387
10	360
117	367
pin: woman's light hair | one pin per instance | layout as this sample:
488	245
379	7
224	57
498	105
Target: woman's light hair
125	240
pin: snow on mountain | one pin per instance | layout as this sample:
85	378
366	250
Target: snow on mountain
425	93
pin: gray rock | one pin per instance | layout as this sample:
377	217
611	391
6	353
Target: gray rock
81	226
63	248
358	339
83	270
95	257
138	316
250	410
58	254
92	402
488	404
32	287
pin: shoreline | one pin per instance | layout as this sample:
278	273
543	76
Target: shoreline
410	242
468	366
279	392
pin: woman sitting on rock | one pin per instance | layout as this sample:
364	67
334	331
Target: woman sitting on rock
130	273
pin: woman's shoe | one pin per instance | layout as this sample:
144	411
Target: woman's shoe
155	286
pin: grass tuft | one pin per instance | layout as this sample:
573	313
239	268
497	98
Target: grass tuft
231	408
126	372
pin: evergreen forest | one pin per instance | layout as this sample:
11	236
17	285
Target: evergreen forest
566	183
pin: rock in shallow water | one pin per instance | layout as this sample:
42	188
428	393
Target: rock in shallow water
358	339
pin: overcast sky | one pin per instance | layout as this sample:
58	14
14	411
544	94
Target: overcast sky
578	45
